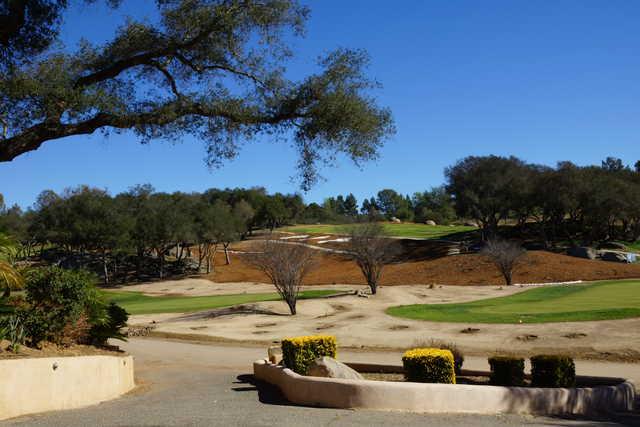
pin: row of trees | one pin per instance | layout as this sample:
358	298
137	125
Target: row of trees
143	223
563	203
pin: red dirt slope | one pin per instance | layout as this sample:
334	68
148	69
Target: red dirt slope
473	269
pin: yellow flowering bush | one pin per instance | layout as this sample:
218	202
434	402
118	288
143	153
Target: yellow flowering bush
429	365
298	353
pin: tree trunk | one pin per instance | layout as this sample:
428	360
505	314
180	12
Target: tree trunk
508	278
104	267
226	253
140	256
291	302
160	254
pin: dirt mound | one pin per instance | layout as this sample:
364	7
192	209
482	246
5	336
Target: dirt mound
470	269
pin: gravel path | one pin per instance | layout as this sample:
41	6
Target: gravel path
187	384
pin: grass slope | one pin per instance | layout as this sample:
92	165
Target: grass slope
616	299
139	303
411	230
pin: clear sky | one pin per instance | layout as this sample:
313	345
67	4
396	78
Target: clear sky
544	81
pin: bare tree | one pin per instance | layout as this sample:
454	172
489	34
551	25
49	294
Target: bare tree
286	265
369	248
505	255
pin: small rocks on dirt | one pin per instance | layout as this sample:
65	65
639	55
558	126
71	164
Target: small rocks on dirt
574	335
139	331
362	294
470	331
527	337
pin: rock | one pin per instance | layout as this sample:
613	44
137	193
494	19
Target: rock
328	367
396	220
275	354
362	294
582	252
612	245
470	224
430	222
614	256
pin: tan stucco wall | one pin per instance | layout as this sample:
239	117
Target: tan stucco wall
443	398
33	385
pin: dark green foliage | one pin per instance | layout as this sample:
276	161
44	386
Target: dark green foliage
64	307
298	353
111	328
552	371
57	298
507	371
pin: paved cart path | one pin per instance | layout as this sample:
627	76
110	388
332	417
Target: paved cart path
189	384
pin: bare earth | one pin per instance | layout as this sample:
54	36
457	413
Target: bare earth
361	322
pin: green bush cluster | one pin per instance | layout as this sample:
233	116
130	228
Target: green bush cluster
64	307
429	365
298	353
507	371
552	371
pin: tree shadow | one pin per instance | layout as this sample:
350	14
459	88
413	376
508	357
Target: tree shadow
267	393
229	311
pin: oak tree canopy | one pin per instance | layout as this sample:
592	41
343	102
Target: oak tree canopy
213	69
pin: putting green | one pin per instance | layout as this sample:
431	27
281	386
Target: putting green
614	299
139	303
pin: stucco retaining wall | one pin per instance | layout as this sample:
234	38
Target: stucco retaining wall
46	384
444	398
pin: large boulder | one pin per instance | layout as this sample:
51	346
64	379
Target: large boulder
582	252
395	220
614	256
430	222
329	367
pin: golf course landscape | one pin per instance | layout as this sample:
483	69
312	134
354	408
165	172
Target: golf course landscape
606	300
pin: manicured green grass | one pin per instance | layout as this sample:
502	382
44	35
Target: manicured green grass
614	299
139	303
412	230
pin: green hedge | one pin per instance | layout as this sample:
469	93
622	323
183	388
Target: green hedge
429	365
507	371
552	371
299	352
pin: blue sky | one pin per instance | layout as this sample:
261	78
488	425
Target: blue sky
544	81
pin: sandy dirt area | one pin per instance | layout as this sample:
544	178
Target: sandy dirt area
362	322
468	269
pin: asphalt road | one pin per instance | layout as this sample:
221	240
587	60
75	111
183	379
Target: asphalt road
186	384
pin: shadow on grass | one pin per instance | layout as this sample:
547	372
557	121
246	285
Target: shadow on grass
267	393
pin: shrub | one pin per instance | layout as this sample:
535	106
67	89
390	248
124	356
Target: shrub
57	299
298	353
458	357
111	328
507	371
65	307
12	329
552	371
429	365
